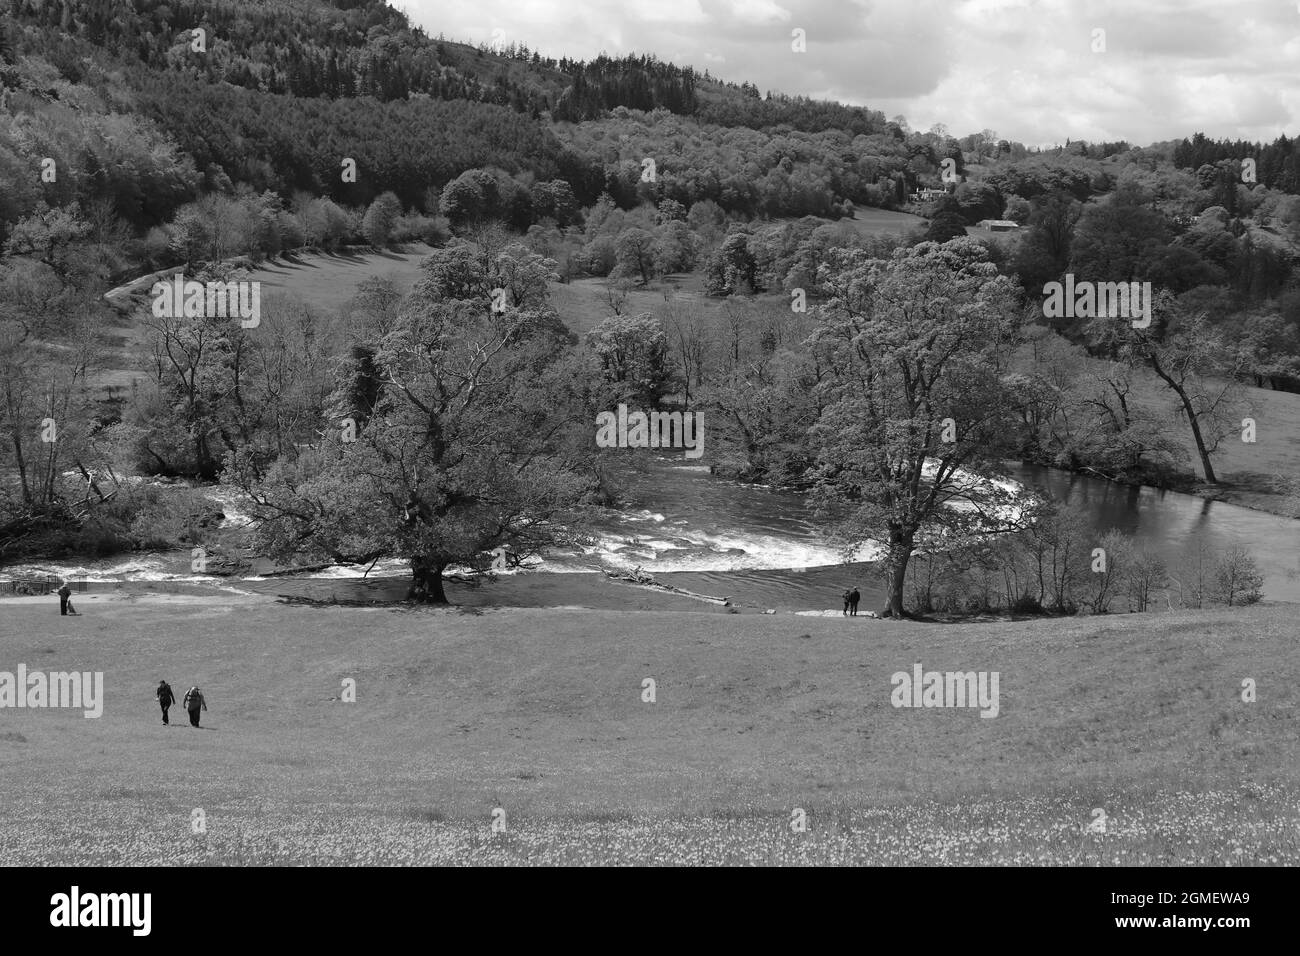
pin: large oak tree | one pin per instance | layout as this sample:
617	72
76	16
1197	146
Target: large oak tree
475	433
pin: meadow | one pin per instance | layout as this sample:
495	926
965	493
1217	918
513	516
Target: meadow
539	714
326	281
872	221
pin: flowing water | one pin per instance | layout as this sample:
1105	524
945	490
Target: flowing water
761	548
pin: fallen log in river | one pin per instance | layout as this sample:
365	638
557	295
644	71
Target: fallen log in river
638	578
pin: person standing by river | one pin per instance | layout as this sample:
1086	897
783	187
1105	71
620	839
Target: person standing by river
65	599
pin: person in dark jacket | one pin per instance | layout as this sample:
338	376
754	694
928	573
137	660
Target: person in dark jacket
65	598
165	698
193	703
854	598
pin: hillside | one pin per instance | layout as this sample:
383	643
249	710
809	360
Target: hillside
653	225
345	48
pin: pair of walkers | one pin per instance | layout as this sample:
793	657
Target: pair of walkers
851	599
193	702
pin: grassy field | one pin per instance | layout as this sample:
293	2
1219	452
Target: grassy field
584	303
539	713
870	221
326	281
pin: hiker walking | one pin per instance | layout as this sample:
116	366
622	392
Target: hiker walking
847	599
193	703
65	599
165	698
854	598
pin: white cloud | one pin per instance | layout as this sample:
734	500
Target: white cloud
670	12
1021	67
760	11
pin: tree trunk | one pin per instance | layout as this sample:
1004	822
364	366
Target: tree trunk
1196	430
1191	419
22	469
206	465
900	553
1200	447
426	581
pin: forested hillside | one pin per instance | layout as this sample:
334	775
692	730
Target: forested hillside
210	135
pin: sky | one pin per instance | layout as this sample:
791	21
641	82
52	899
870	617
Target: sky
1036	71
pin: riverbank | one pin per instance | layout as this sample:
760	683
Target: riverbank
522	592
1258	467
542	714
1271	494
755	548
743	593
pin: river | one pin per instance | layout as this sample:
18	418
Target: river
761	548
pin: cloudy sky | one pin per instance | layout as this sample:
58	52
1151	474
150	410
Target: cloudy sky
1024	68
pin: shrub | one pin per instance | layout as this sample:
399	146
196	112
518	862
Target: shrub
1237	579
1146	575
381	219
414	227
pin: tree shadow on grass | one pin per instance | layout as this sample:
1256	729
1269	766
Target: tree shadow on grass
401	606
349	254
288	261
1259	481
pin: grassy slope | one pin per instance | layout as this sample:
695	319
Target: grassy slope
327	281
540	713
584	303
324	281
1256	475
870	221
